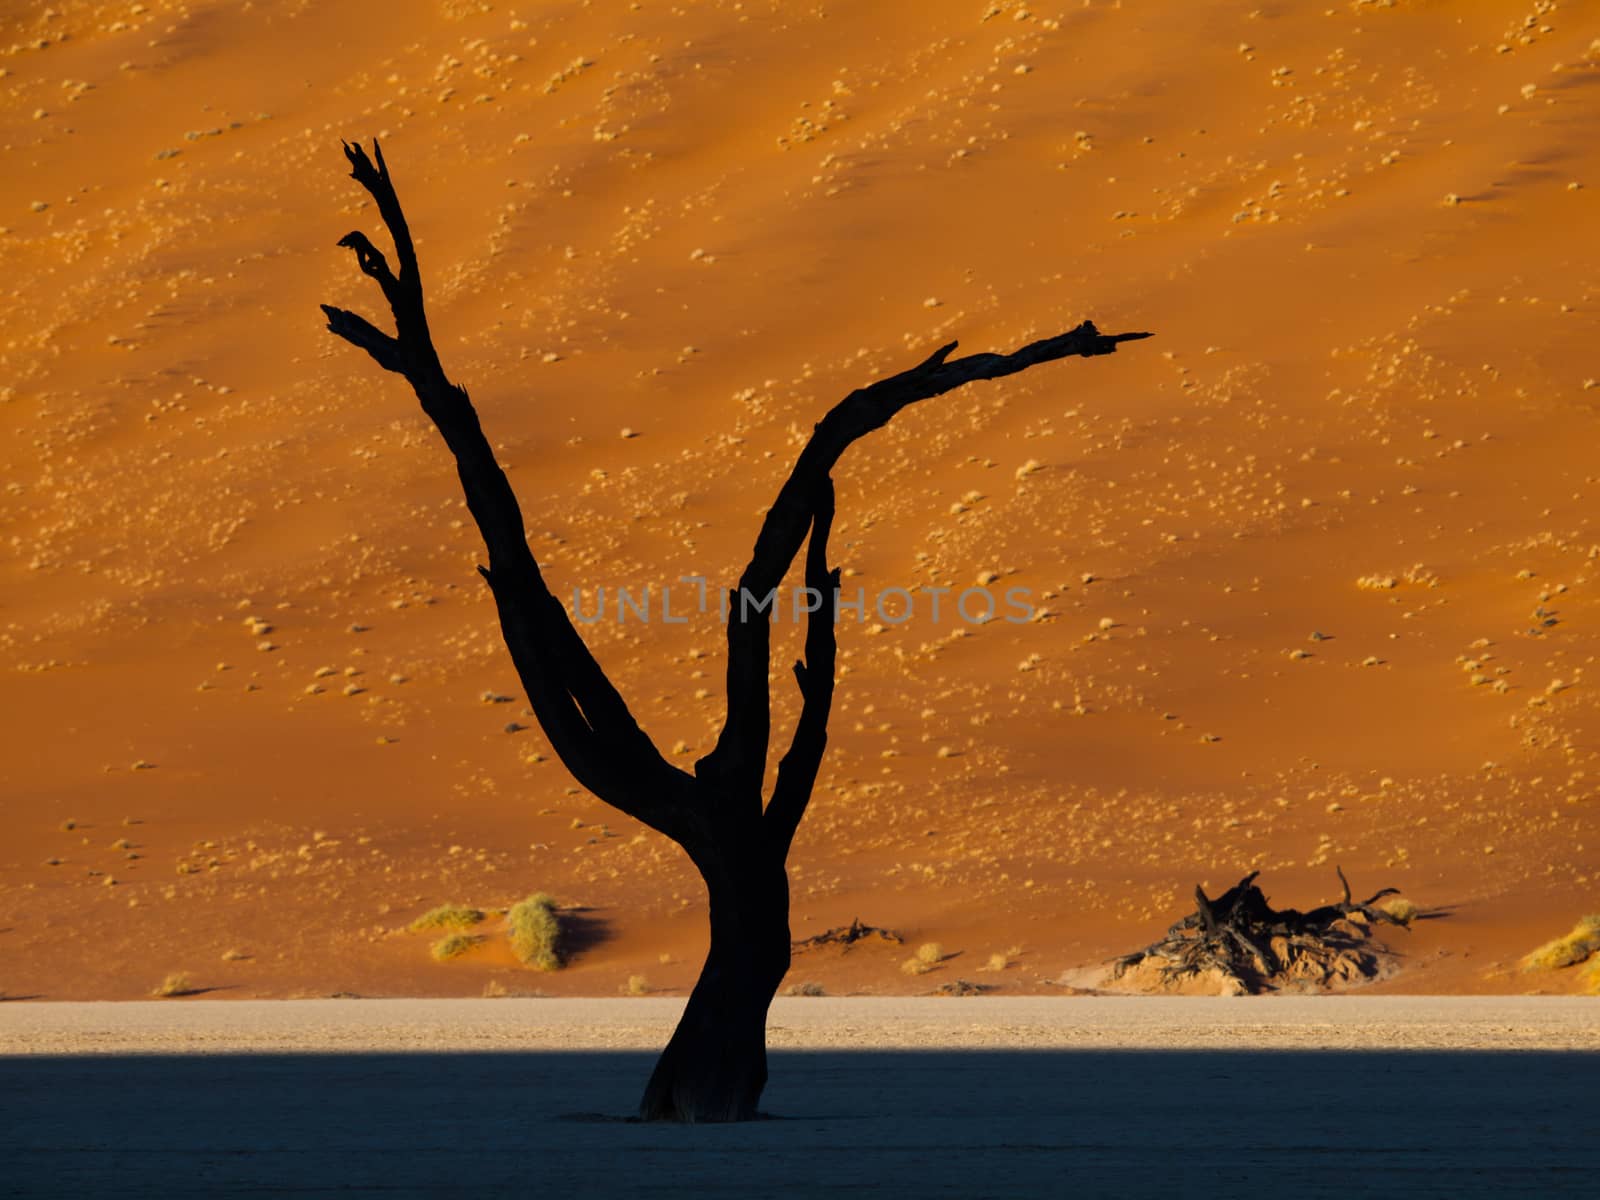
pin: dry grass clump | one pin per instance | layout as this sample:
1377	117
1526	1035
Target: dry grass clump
447	916
536	932
928	956
1590	978
496	989
1569	950
454	946
177	983
808	988
1401	910
637	985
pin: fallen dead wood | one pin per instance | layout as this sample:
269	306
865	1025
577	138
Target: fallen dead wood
962	987
1238	943
847	936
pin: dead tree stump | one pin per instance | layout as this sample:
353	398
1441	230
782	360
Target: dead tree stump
1239	944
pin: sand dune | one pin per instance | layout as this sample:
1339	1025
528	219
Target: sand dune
1314	567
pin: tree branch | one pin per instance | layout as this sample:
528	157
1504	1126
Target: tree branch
738	760
359	331
584	716
797	770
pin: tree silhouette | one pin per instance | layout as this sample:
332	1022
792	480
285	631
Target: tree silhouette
714	1067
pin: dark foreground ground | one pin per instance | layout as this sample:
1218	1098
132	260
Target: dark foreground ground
892	1123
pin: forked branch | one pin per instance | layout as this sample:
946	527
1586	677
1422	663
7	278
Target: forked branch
739	756
584	716
797	771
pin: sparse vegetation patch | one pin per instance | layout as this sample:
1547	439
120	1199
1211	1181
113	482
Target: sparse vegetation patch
447	916
455	945
535	930
1590	978
177	983
1401	909
928	956
1567	950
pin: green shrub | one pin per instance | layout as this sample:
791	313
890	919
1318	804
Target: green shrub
447	916
536	932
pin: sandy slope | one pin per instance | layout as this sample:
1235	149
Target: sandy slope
1362	232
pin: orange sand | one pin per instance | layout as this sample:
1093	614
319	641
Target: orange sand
1362	233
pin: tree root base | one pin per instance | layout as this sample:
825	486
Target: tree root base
1238	944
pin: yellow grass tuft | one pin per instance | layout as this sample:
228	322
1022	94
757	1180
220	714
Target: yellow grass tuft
447	916
536	932
1401	909
1569	950
637	985
928	956
454	946
177	983
1590	978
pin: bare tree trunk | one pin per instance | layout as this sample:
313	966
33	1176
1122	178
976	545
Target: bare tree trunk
714	1068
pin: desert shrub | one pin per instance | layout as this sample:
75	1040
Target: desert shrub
809	988
1401	909
928	956
454	946
177	983
447	916
1568	950
637	985
1590	979
536	932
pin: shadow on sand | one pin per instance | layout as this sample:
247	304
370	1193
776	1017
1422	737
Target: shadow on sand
937	1123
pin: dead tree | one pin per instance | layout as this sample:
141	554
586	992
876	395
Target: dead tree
714	1067
1241	940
